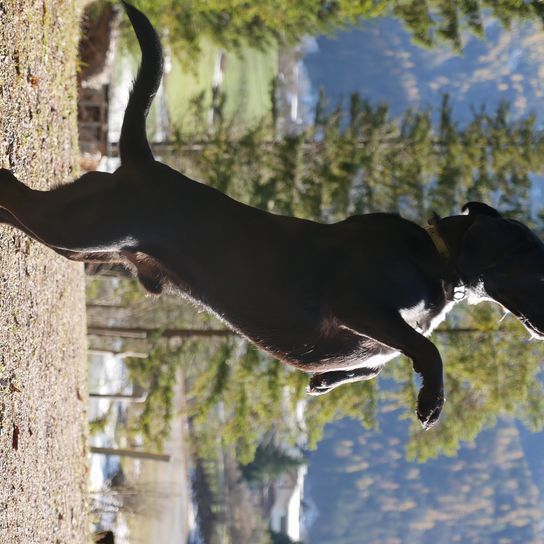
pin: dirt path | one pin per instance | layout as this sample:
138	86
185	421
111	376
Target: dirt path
43	480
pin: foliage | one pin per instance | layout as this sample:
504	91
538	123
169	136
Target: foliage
260	23
157	375
266	23
491	368
97	426
444	21
358	159
270	462
246	394
242	396
281	538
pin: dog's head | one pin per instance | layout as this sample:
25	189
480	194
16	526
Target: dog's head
508	259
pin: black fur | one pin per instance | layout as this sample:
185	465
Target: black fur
133	144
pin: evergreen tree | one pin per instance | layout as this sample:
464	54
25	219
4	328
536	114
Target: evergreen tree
269	463
360	160
269	23
260	23
443	21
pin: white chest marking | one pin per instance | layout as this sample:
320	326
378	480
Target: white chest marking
418	317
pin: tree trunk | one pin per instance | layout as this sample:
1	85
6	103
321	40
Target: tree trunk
134	454
136	332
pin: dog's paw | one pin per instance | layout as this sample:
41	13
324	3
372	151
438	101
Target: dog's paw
318	385
429	406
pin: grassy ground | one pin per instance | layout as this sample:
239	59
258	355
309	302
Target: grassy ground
247	81
42	337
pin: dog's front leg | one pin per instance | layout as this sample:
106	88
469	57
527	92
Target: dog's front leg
388	328
324	382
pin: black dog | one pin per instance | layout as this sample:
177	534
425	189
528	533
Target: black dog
335	300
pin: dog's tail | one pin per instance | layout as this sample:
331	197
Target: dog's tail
133	144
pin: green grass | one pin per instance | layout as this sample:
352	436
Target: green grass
247	78
247	84
184	83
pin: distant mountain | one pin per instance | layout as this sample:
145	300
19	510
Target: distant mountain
382	64
366	492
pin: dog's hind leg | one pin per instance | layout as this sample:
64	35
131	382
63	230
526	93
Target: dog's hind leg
7	219
327	381
86	216
54	224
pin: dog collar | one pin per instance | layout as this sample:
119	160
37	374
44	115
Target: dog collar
459	289
439	243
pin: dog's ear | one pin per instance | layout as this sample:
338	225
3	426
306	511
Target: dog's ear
479	208
488	241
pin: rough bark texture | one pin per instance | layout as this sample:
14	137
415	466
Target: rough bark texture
43	440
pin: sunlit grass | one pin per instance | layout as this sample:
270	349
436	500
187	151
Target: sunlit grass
246	84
